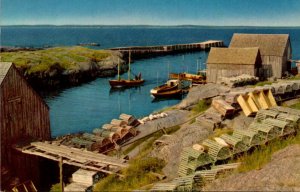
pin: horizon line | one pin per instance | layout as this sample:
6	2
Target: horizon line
146	25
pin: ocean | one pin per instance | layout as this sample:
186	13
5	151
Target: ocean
88	106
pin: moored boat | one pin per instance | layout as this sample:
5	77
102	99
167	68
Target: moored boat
196	79
137	81
170	89
168	94
126	83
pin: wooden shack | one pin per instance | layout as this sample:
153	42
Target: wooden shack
275	50
24	117
231	62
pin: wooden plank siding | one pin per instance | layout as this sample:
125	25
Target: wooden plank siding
231	62
215	71
275	49
24	117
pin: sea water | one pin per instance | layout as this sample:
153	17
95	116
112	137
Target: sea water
90	105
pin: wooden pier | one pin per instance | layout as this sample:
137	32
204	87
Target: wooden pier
138	52
76	157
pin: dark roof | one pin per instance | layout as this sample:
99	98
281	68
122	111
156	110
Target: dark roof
244	56
269	44
4	68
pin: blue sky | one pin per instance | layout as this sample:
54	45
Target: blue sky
151	12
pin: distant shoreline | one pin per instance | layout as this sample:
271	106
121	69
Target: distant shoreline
152	26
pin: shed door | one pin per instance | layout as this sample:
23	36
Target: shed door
15	118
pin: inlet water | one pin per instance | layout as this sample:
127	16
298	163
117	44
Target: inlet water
90	105
83	108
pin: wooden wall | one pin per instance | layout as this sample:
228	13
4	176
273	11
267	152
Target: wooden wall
215	71
278	64
24	117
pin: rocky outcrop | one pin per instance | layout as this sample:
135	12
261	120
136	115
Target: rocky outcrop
56	77
199	92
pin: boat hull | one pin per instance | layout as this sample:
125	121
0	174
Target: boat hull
196	79
163	88
168	94
126	83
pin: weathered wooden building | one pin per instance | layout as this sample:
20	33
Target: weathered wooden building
230	62
275	50
24	117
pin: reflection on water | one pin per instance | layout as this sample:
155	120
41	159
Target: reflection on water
90	105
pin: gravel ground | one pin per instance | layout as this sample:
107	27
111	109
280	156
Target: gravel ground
187	135
202	92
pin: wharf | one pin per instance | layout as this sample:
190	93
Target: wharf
138	52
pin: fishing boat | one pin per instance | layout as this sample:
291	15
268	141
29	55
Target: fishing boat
196	79
170	89
137	81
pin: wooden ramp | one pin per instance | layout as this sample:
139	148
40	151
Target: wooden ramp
77	157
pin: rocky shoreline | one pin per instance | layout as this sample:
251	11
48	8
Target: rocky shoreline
56	75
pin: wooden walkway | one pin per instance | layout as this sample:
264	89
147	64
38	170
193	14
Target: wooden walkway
77	157
147	51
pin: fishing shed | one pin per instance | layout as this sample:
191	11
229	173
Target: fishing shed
24	118
275	50
230	62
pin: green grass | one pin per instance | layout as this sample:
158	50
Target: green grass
166	109
297	77
43	60
192	121
56	188
296	106
140	170
201	106
262	155
138	174
152	138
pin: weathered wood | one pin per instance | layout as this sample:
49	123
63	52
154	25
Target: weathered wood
216	150
242	100
24	116
86	177
61	183
76	157
76	187
118	122
222	107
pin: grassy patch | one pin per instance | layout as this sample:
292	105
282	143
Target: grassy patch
296	106
138	174
297	77
166	109
42	60
262	155
201	106
55	188
150	139
220	131
140	170
262	83
192	121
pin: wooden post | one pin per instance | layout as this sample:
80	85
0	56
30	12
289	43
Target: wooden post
61	174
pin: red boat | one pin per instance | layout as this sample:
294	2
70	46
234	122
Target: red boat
137	81
126	83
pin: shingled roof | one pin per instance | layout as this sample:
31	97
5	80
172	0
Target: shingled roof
269	44
245	56
4	67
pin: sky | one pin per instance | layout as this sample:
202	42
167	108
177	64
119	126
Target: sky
151	12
